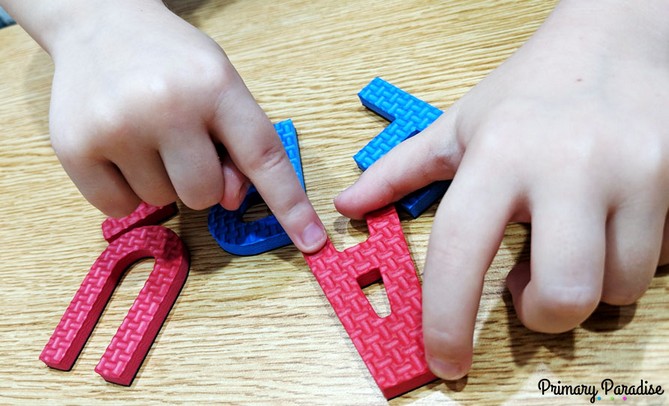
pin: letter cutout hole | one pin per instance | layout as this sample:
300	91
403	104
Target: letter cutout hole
392	346
132	341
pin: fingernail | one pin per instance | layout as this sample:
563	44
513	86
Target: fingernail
445	370
313	236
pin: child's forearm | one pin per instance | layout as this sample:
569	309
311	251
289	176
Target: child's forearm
52	23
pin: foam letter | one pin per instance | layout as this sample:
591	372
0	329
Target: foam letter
408	116
392	346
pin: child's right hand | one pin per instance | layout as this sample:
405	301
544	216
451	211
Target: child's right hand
140	103
571	134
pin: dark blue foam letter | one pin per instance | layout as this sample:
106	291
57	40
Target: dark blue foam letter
238	237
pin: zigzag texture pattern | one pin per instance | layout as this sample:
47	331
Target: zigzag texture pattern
408	116
391	347
133	339
238	237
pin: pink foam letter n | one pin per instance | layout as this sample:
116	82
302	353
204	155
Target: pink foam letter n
132	341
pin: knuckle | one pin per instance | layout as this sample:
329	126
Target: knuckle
117	209
490	143
217	71
106	126
211	71
200	199
71	144
443	159
76	154
568	306
268	158
388	191
493	146
66	152
202	189
158	198
111	201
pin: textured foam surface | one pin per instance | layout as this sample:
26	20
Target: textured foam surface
392	346
144	215
129	242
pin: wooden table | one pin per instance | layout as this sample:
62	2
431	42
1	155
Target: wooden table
258	329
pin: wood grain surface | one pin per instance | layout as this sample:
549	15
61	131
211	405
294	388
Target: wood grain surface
258	330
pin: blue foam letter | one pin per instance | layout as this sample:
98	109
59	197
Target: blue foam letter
408	116
238	237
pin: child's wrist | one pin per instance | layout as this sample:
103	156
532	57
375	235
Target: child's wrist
60	27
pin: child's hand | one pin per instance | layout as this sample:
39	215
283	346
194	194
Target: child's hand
140	103
570	134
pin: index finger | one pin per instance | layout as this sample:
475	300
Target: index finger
255	148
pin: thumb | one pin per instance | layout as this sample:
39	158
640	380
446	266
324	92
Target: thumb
433	154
